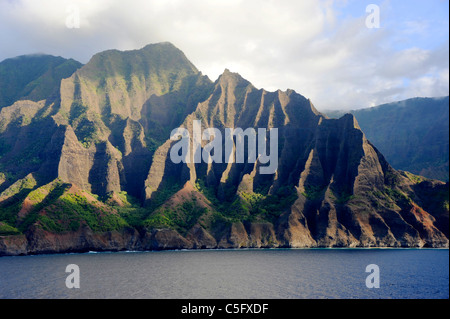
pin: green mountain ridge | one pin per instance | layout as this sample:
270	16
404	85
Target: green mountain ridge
33	77
89	168
413	134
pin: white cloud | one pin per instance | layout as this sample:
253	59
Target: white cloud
302	45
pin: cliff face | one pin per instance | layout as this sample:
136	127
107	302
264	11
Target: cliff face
91	169
412	134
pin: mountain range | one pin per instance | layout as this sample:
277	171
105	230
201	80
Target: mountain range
33	77
412	134
85	165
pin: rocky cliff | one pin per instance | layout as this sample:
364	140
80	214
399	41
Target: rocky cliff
89	169
412	134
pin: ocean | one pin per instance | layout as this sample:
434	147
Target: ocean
230	274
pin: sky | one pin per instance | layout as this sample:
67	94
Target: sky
340	54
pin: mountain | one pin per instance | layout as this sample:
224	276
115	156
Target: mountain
33	77
413	134
91	169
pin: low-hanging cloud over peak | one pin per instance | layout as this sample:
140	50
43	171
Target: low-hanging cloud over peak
322	49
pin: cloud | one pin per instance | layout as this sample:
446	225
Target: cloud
314	47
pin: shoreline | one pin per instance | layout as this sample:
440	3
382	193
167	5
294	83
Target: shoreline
93	252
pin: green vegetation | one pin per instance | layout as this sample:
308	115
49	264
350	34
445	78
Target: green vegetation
25	154
163	194
152	144
344	197
390	177
270	207
86	130
72	209
33	77
158	220
6	230
391	197
190	212
251	206
399	197
66	211
8	213
87	133
414	178
12	197
313	192
38	195
41	198
180	218
30	155
131	210
77	112
21	186
126	199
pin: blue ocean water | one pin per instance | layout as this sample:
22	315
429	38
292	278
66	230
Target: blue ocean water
231	274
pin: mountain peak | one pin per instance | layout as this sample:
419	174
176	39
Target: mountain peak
162	59
228	77
351	119
162	45
228	73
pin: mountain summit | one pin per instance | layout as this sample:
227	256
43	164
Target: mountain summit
90	168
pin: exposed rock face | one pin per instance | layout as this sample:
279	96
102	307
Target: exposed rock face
40	241
106	137
13	245
412	134
201	238
166	239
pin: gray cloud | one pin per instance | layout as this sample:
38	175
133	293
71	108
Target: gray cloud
303	45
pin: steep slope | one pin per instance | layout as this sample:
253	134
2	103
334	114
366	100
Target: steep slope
33	77
121	106
90	169
413	134
332	186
